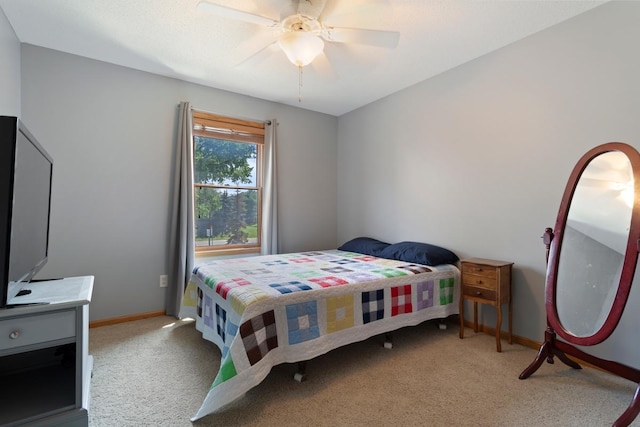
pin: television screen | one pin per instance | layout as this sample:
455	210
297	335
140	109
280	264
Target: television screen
28	199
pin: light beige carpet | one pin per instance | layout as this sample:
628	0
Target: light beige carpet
156	372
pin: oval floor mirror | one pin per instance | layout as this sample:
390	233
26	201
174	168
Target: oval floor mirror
591	260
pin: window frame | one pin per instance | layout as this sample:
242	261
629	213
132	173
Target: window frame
213	126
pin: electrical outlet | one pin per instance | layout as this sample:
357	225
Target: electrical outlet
164	281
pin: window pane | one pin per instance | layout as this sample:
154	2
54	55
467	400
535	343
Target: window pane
226	217
221	162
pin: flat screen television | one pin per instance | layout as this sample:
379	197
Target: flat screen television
25	206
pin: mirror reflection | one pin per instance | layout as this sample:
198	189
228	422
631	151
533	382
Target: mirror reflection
594	243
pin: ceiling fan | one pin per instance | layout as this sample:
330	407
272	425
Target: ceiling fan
301	34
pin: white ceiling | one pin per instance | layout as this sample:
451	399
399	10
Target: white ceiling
173	38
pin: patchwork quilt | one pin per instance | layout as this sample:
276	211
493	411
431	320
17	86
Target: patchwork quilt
265	310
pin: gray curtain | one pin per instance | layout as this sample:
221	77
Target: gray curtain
182	229
269	237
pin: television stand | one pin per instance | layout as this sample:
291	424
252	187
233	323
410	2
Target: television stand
45	368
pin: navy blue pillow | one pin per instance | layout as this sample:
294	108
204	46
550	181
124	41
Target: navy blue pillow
364	245
419	253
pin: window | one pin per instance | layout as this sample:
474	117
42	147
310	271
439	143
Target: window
227	169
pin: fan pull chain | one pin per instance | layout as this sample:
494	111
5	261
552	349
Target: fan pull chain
299	83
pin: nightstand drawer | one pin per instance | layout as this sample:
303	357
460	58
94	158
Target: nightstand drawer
481	270
475	292
480	281
23	331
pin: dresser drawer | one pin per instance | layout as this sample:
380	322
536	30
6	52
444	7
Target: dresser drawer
475	292
480	281
34	329
481	270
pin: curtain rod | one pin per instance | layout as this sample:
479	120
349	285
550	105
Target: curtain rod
266	122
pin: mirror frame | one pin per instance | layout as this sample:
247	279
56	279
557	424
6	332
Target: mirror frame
630	256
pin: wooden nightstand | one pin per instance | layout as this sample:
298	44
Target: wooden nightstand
486	281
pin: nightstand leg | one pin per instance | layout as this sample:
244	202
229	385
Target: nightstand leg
475	316
510	323
461	315
499	328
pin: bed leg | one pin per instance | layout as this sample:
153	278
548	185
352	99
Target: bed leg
388	342
441	324
301	375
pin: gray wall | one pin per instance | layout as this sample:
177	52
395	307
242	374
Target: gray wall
476	159
111	132
9	69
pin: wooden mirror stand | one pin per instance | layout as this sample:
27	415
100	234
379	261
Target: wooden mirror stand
561	338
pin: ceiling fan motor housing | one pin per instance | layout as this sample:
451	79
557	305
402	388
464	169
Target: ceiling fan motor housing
301	22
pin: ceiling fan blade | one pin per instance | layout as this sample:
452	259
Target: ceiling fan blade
357	13
257	57
380	38
323	67
240	15
311	8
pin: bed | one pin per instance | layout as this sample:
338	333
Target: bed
265	310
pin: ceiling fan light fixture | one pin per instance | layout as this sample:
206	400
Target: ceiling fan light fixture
301	47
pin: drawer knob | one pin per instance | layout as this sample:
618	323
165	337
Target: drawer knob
14	334
478	293
479	282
